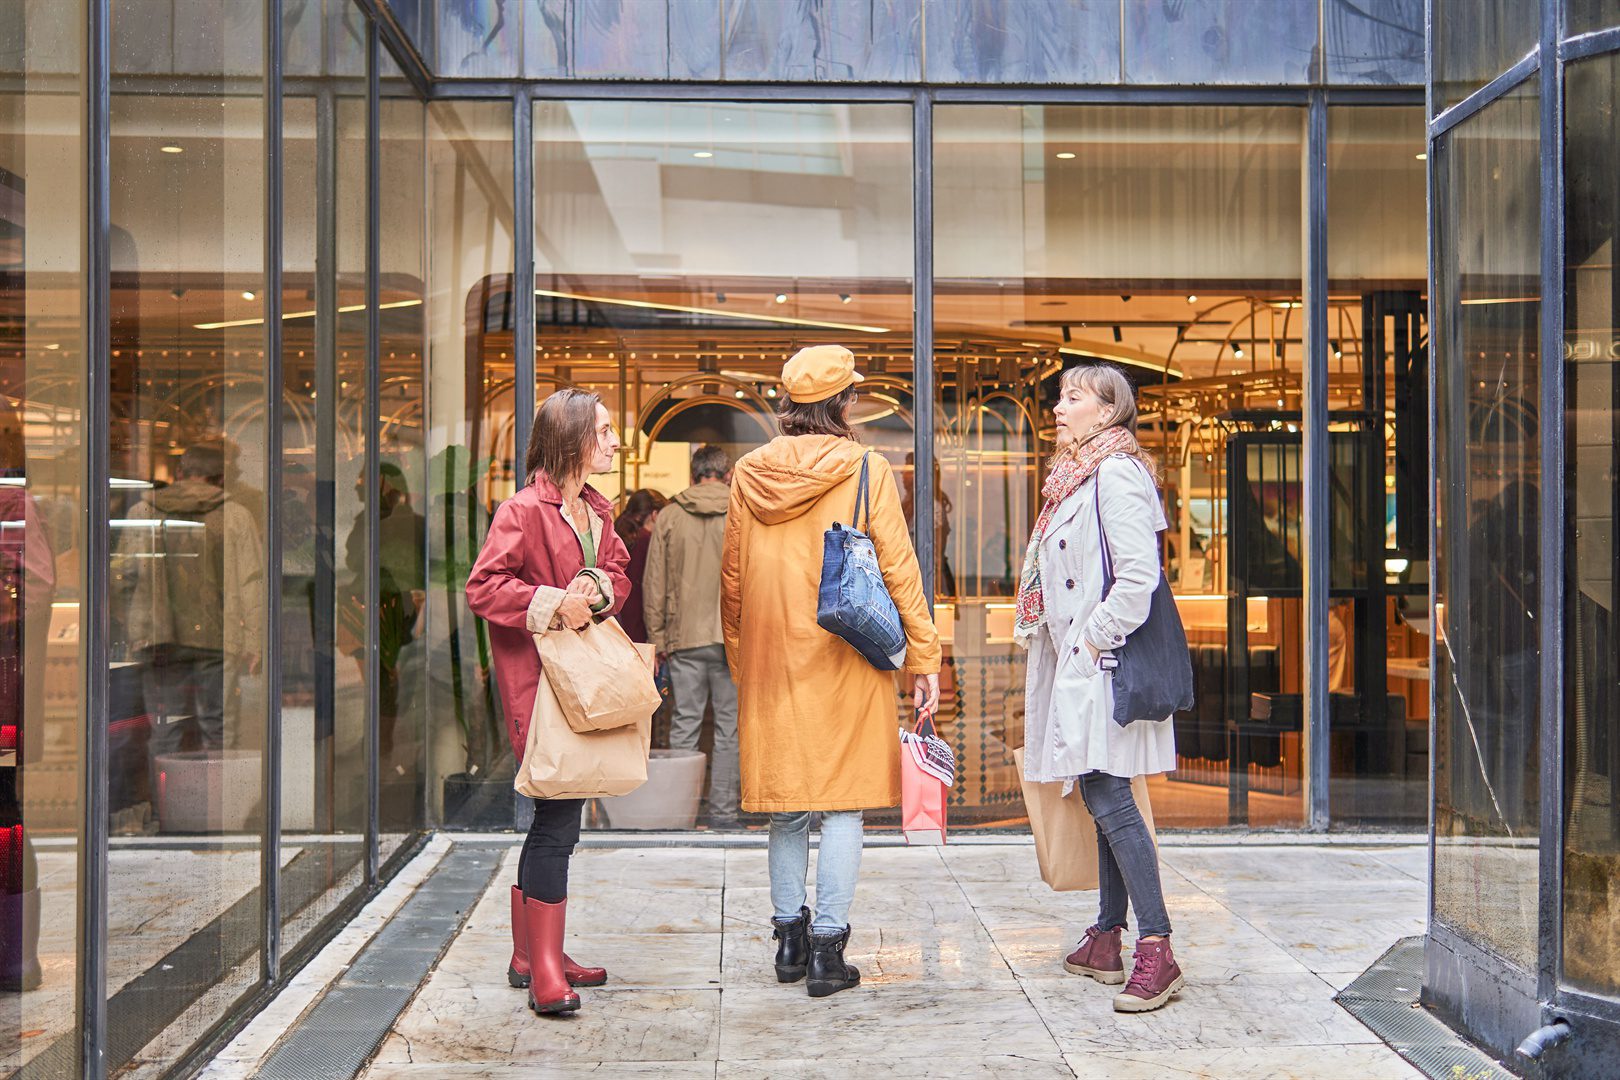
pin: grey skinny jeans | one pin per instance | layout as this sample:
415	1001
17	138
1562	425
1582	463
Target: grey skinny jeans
1127	861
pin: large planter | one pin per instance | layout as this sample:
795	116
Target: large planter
669	798
480	804
208	791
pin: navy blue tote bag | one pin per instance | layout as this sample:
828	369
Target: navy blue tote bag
853	602
1153	673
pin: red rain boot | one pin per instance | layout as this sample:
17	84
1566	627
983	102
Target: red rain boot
549	991
517	972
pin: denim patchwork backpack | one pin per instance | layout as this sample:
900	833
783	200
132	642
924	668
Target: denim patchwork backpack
853	602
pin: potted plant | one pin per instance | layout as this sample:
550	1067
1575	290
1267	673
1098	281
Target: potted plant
480	796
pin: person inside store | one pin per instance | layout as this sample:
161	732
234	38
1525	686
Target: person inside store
682	606
1102	489
817	723
634	526
196	602
551	561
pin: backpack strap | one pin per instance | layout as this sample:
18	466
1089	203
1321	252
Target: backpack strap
863	496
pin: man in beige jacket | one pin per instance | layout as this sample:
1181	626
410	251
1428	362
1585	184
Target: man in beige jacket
681	600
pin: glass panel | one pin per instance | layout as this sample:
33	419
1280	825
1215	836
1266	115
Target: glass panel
1486	477
1185	42
1592	512
1378	377
1376	42
483	40
469	231
684	251
1164	239
402	537
613	39
187	567
1477	40
41	505
877	40
323	812
1039	41
1583	16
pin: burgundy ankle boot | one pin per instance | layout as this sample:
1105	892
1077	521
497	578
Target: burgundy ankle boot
1098	956
1154	978
549	991
517	972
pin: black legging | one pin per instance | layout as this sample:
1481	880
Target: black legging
543	864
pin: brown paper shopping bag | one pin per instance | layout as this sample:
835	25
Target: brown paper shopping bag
601	679
1065	835
561	763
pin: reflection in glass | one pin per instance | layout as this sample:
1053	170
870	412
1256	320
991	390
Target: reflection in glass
1378	378
1184	42
684	250
41	501
1592	513
1166	240
1474	41
469	238
187	568
1486	481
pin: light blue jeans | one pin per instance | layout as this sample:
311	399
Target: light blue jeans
837	867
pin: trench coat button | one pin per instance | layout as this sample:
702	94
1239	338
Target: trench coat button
1063	545
1077	650
1069	584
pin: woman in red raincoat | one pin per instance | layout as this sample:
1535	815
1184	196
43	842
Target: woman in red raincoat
551	560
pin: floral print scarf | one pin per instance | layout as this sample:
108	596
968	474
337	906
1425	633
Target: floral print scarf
1071	468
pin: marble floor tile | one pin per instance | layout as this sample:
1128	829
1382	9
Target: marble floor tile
1246	1063
889	903
646	961
622	910
1271	865
453	1021
1336	933
1250	1010
947	955
920	1067
591	1070
648	868
869	1023
1411	861
984	863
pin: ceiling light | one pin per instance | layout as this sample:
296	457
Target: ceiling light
249	296
719	297
1423	157
1066	155
1237	351
843	298
289	316
781	298
53	346
702	154
171	149
648	305
770	391
741	394
1192	298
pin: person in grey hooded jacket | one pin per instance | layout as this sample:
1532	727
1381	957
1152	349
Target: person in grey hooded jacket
681	601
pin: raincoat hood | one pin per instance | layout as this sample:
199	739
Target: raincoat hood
193	496
784	478
706	500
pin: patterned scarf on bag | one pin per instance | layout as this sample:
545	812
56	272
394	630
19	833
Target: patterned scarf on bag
1070	469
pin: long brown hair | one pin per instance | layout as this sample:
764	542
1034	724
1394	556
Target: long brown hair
563	436
639	510
1110	386
829	417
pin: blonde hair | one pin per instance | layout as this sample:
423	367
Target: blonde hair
1109	385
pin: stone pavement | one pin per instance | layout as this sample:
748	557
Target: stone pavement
961	953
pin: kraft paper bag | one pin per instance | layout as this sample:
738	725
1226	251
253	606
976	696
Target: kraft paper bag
602	681
561	763
1065	834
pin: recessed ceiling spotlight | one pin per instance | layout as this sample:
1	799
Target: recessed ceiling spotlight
843	298
249	296
53	346
172	149
781	298
770	391
1423	157
1192	299
741	394
702	154
1066	155
1238	352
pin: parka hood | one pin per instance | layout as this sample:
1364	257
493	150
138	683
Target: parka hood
706	500
193	495
787	476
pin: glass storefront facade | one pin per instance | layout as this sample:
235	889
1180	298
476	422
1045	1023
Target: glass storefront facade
271	354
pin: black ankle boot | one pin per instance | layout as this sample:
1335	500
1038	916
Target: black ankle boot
828	972
793	946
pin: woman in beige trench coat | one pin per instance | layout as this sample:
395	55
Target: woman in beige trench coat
816	723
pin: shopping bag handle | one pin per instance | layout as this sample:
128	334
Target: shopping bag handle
925	716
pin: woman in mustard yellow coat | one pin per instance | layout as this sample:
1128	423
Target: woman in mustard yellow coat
817	723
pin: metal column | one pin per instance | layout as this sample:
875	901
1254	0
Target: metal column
1316	532
922	330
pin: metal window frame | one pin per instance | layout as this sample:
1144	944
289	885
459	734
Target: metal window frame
1315	454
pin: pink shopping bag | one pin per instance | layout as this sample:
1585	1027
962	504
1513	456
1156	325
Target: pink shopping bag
927	773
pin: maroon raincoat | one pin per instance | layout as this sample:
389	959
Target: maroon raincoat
529	545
